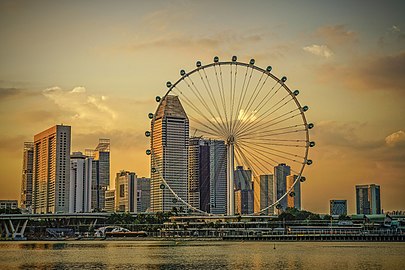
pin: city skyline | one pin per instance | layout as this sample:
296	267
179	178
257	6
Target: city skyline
348	68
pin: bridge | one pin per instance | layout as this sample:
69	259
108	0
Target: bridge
13	226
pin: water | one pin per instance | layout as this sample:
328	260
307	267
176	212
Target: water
200	255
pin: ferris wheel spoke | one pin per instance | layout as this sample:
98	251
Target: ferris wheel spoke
262	149
267	101
270	130
199	96
240	100
261	137
270	123
213	127
264	145
253	141
210	94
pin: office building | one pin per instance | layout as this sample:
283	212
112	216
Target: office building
109	205
280	177
244	197
51	170
264	194
100	173
143	194
207	175
294	196
338	207
368	199
80	183
126	192
26	184
169	158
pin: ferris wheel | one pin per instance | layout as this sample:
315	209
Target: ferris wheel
257	117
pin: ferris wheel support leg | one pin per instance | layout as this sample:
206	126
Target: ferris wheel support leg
230	180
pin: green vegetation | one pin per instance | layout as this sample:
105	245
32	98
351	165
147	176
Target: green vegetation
295	214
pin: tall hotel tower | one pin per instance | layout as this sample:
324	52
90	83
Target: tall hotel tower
51	170
26	185
169	144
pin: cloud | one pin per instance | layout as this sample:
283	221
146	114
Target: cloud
395	138
319	50
335	35
392	35
78	105
368	73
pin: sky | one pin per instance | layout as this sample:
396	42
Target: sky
98	65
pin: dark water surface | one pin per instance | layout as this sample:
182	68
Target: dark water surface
200	255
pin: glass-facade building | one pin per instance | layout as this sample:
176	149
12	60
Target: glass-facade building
338	207
280	175
169	157
26	184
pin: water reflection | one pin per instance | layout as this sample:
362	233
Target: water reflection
200	255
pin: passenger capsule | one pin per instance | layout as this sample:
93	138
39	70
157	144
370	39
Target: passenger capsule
284	79
311	144
162	186
148	152
182	72
198	64
296	92
305	108
302	179
252	61
234	58
309	162
310	125
147	133
153	170
269	68
158	99
169	84
292	194
150	115
216	59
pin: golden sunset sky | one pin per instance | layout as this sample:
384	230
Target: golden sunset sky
98	65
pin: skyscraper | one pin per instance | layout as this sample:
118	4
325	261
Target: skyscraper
125	192
169	159
294	196
109	205
100	173
207	175
51	174
264	194
338	207
244	197
26	185
80	183
368	199
280	174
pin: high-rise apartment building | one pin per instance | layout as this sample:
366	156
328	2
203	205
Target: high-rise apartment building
126	192
80	183
368	199
100	173
264	194
244	197
109	205
294	196
51	170
169	159
207	175
338	207
143	194
26	184
280	177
